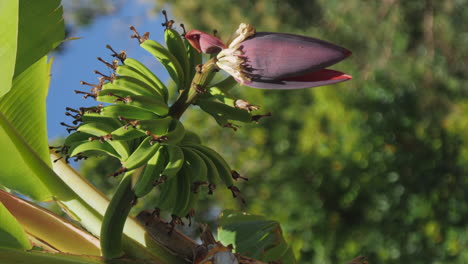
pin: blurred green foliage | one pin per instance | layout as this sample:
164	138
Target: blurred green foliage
376	166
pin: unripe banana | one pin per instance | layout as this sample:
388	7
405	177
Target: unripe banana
212	174
199	169
175	160
184	183
127	133
141	155
156	127
115	217
77	137
132	85
224	111
222	166
166	59
145	182
97	117
152	104
92	148
176	46
127	70
137	128
128	112
190	137
149	74
168	194
224	86
176	132
220	95
197	165
103	132
159	126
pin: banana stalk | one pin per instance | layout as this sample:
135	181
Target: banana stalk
199	83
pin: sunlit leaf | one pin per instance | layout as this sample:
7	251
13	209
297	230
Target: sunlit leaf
12	234
8	43
254	236
25	163
30	29
41	29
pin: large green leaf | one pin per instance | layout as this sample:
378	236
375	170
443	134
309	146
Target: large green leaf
41	29
8	41
35	28
254	236
25	162
30	29
12	234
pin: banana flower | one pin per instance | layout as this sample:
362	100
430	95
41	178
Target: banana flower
268	60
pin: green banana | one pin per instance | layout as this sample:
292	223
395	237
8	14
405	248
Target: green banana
97	117
92	148
141	155
166	59
152	171
103	131
190	137
115	217
128	112
168	194
137	128
152	104
176	132
127	70
223	86
133	85
127	133
197	165
184	183
222	166
159	126
111	93
220	91
212	173
176	46
199	169
220	95
149	74
223	113
77	137
175	160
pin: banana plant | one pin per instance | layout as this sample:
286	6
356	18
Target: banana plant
136	121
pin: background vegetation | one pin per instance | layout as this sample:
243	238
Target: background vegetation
376	166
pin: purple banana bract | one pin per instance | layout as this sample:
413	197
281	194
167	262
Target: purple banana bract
268	60
204	42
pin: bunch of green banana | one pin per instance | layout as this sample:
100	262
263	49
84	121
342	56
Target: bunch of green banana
134	124
225	108
134	121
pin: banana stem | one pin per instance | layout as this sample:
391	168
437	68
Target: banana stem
115	216
202	77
